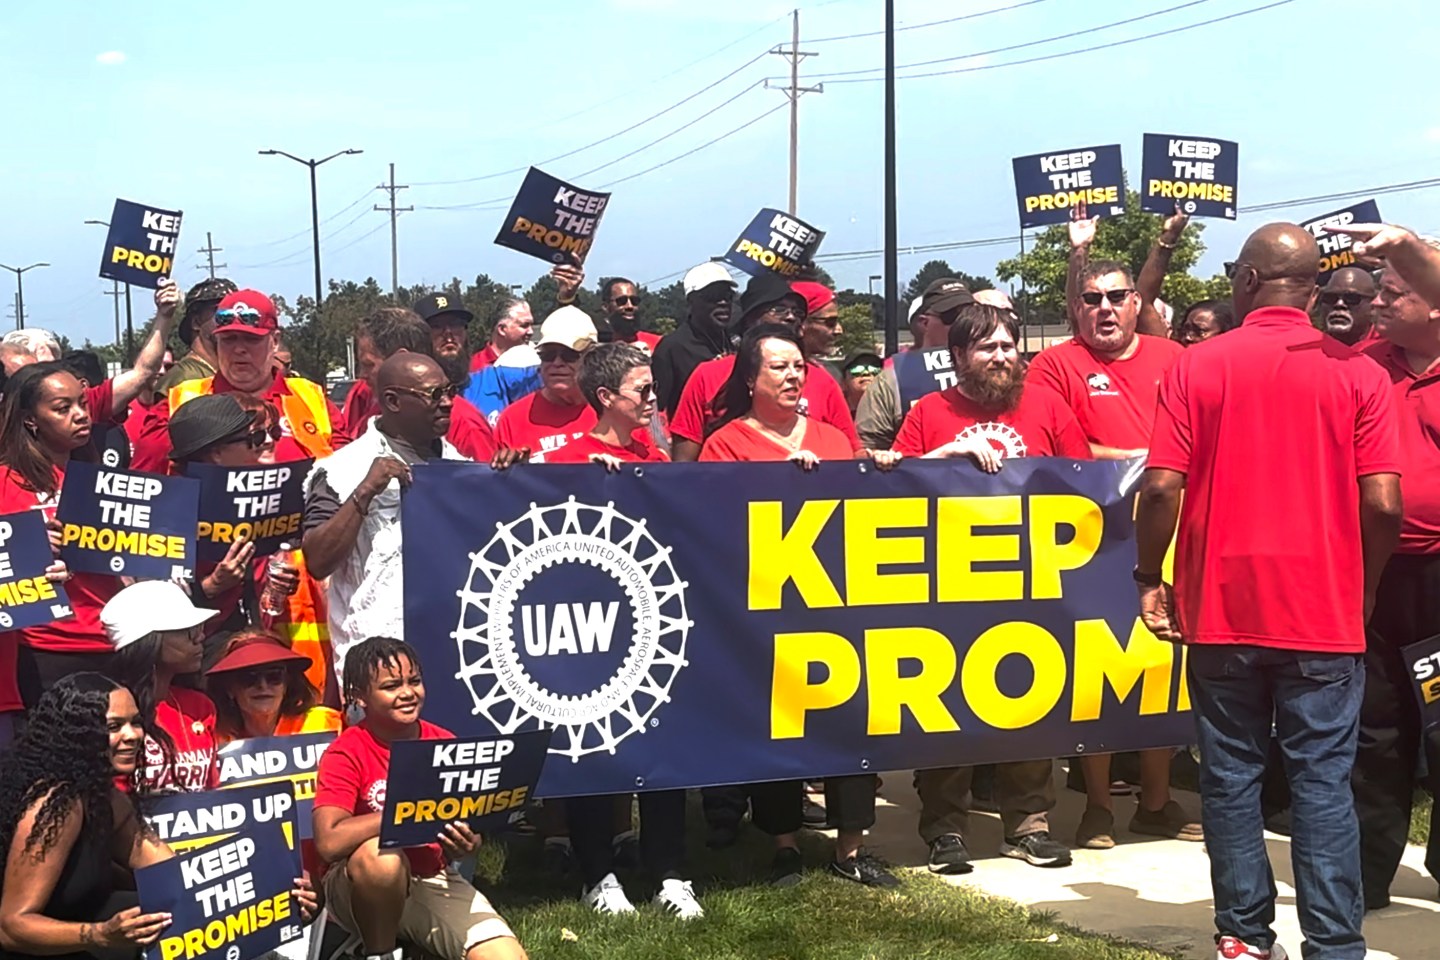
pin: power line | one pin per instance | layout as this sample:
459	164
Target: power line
932	23
1346	195
306	232
364	236
297	256
392	188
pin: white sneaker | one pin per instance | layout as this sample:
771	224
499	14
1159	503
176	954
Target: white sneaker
1233	948
678	897
608	896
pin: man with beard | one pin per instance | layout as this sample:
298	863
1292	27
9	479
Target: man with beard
1344	307
704	334
822	321
990	415
448	321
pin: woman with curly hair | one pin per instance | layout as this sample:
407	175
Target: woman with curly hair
64	824
260	690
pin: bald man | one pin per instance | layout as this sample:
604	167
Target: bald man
1343	308
1285	444
352	501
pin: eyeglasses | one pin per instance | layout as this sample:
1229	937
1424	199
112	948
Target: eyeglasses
1116	297
433	396
255	439
781	311
624	301
1349	299
863	371
269	677
829	323
646	391
552	353
720	295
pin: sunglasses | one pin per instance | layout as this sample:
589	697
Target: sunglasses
434	396
783	311
1349	299
624	301
1092	298
550	353
830	323
255	439
646	391
245	315
864	371
269	677
717	296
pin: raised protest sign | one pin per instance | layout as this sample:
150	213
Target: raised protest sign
233	900
1335	249
919	373
260	504
1049	185
292	759
27	598
1424	661
775	242
486	782
121	521
800	626
1199	175
140	248
189	820
552	220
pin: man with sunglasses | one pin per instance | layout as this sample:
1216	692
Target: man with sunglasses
702	335
858	374
1344	306
821	325
352	501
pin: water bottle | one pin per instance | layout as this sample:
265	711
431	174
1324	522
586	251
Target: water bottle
273	601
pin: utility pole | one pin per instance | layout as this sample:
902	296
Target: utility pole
892	241
210	250
394	212
314	207
794	54
117	293
20	291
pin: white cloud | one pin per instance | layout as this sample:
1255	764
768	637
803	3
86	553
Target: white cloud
110	58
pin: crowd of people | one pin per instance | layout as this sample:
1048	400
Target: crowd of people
1277	426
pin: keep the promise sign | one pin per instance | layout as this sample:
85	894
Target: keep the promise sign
261	504
775	242
1049	185
140	248
1197	173
1335	248
292	760
121	521
552	220
27	598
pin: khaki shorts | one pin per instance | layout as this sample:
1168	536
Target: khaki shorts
444	915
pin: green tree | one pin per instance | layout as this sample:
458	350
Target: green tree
859	331
935	270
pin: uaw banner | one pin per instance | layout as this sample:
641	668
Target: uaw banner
774	242
27	597
260	504
187	821
292	760
1198	175
125	522
140	248
1049	185
692	624
552	220
919	373
233	900
1424	661
1335	248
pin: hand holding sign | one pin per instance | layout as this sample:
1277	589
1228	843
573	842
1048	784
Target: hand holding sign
167	298
569	278
458	840
231	571
128	928
1174	226
1082	227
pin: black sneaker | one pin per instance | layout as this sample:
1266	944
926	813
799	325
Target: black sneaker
786	867
948	855
721	836
866	870
557	859
626	851
813	814
1037	849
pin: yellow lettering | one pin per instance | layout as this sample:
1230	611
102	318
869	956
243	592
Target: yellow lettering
404	810
1100	660
1048	557
977	677
778	555
866	551
888	692
792	695
958	548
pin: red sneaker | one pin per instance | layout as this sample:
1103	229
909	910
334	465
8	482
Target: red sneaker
1233	948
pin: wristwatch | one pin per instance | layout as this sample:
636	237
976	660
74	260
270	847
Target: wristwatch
1147	579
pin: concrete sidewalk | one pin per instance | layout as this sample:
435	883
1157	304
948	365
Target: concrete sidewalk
1146	890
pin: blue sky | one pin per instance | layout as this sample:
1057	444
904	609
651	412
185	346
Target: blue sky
168	104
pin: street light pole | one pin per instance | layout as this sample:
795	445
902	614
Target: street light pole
20	291
129	316
314	206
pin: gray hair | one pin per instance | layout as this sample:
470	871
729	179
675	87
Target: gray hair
507	307
33	340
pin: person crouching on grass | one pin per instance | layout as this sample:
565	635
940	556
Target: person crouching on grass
384	895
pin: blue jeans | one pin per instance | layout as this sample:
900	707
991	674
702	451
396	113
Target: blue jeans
1313	701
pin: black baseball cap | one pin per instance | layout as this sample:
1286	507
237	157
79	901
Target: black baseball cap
944	294
863	360
765	289
205	421
437	304
206	294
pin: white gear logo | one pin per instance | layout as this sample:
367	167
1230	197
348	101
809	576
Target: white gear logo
1001	436
542	538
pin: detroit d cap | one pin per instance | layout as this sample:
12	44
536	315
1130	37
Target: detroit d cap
439	304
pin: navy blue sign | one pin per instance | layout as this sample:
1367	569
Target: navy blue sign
292	759
553	220
27	598
140	248
775	242
486	782
919	373
1424	661
1049	185
797	625
1198	174
125	522
187	821
1335	249
259	504
233	899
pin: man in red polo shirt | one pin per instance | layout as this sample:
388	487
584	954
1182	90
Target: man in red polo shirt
1285	443
512	328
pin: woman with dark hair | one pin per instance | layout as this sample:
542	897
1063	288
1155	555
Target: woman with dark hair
1203	320
45	421
763	421
65	824
156	632
260	690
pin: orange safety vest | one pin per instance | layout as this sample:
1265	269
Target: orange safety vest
307	625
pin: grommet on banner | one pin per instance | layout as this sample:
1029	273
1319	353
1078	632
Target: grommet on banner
639	782
862	466
864	764
639	471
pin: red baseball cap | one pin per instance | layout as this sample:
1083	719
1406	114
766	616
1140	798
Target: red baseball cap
256	651
816	295
246	311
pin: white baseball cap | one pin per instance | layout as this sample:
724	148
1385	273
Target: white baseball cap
149	606
520	355
569	327
698	278
914	309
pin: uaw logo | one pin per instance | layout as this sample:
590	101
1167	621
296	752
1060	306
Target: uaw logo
572	617
1003	437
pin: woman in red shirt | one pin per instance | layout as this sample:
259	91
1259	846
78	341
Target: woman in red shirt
260	690
763	422
45	421
156	631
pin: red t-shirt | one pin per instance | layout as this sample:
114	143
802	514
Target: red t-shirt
580	449
353	774
189	717
469	432
100	403
1417	397
1273	424
647	341
738	441
545	426
483	358
1039	426
1114	400
820	399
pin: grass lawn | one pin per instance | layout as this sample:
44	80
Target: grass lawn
1420	818
823	918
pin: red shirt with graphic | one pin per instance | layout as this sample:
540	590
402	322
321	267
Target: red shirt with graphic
1114	400
545	426
353	774
189	717
821	399
580	449
1040	425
